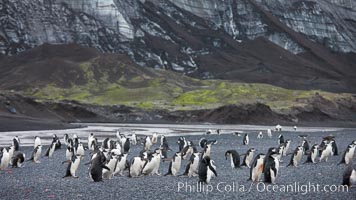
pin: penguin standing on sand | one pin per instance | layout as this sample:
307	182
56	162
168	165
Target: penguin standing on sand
136	166
36	154
4	159
18	160
326	152
348	154
260	135
305	146
280	139
147	144
280	151
50	150
193	165
286	147
127	145
234	158
246	139
37	142
349	176
152	165
80	150
134	139
269	133
187	151
313	154
96	167
154	138
72	167
66	139
69	153
247	161
174	165
271	167
206	170
296	157
257	168
110	163
334	148
16	143
57	141
206	151
322	145
91	140
11	151
121	164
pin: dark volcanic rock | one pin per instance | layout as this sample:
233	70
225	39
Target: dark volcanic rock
242	114
244	40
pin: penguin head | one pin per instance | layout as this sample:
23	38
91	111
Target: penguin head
300	148
261	156
252	150
178	154
227	153
315	146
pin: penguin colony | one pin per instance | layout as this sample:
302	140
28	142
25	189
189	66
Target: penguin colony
109	158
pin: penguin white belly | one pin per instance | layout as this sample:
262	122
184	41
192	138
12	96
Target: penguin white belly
120	166
51	151
326	153
80	151
273	176
232	162
248	160
314	155
150	166
68	154
157	164
111	165
194	167
298	158
90	140
37	156
5	160
348	157
353	176
136	167
74	167
133	139
209	175
285	150
352	152
37	142
116	151
176	166
19	164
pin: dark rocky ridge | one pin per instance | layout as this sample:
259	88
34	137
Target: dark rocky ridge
243	40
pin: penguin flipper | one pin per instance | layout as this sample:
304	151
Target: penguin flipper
213	170
66	161
105	167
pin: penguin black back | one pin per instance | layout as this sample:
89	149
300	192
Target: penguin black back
234	156
204	166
